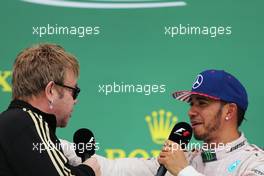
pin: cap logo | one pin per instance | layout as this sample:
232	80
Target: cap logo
198	81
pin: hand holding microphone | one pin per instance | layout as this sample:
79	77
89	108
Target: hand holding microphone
172	156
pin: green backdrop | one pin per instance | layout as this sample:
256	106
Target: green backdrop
136	47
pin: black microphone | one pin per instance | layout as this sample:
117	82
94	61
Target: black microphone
85	143
180	134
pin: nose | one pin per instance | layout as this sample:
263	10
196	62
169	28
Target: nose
75	101
192	112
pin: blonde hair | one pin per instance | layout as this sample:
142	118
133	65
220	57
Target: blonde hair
36	66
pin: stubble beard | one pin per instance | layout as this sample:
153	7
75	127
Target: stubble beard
211	128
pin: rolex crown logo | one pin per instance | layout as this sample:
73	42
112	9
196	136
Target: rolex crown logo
160	125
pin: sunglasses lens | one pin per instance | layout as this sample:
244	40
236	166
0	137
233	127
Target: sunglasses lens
75	92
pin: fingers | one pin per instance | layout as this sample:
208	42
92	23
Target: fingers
163	154
170	146
172	157
167	145
162	160
166	151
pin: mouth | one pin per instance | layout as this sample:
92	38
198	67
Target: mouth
195	124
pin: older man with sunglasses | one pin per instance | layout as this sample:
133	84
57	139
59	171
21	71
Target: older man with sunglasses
44	93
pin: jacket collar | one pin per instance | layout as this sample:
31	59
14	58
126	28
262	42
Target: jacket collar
222	152
49	118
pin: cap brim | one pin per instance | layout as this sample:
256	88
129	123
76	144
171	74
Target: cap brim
185	95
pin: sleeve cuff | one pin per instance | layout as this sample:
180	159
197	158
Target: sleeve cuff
189	171
87	170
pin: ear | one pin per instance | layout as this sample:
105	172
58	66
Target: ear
231	110
50	91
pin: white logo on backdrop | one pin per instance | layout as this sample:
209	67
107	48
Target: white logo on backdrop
114	4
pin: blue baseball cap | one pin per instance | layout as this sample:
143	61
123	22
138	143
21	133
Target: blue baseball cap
218	85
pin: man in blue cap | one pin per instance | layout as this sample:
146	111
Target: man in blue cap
218	102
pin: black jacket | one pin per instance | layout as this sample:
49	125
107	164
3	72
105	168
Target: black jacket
29	146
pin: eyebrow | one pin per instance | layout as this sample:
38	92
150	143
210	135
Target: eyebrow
201	98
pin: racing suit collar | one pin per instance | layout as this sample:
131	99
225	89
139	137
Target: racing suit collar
49	118
223	151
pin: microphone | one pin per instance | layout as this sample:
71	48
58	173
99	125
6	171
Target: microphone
85	143
180	134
